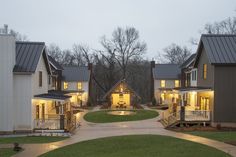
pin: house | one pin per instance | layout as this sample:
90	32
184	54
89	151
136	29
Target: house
76	82
54	80
165	78
209	94
121	96
188	73
216	70
25	102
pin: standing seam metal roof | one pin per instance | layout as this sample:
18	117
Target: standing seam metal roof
75	73
28	55
220	49
166	71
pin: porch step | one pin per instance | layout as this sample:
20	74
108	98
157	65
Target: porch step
51	134
48	131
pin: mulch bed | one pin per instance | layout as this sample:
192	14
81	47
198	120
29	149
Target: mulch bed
231	142
200	128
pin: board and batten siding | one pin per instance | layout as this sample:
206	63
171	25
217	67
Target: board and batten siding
225	94
7	62
22	101
26	86
209	81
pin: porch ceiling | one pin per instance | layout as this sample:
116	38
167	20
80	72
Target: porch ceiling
189	89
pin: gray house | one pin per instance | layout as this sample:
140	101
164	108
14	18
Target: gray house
208	88
216	68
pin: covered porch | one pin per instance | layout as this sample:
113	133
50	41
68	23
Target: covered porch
53	112
195	105
121	96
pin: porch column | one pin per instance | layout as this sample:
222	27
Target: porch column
62	116
182	108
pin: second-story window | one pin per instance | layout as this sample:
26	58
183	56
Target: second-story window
163	83
40	78
204	71
176	83
79	86
65	85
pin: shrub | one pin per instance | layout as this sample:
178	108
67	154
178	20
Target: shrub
154	102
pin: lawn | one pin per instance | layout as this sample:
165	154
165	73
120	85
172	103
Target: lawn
6	152
137	146
104	117
224	136
30	139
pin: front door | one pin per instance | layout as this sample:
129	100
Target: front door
205	103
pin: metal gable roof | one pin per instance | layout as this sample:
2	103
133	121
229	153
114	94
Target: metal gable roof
75	73
54	63
189	61
166	71
220	48
28	55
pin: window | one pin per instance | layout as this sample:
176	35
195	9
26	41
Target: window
40	78
194	75
176	83
204	71
163	83
65	85
79	85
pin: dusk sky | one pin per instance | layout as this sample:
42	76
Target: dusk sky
160	22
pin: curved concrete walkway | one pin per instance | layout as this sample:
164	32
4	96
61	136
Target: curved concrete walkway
90	131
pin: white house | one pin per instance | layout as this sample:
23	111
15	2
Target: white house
166	77
76	83
24	99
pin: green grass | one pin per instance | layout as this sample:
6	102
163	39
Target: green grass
104	117
136	146
30	139
223	136
6	152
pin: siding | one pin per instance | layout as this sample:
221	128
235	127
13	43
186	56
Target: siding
225	98
7	62
22	101
157	92
209	82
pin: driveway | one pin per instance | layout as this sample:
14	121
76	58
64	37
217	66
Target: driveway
89	131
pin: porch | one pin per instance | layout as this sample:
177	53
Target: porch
195	105
52	112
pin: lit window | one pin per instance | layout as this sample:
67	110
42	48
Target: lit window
79	85
204	71
163	96
40	78
65	85
163	83
176	83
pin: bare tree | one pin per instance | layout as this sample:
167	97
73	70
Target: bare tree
18	36
227	26
124	45
55	52
176	54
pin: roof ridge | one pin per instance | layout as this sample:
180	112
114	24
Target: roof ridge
29	42
218	35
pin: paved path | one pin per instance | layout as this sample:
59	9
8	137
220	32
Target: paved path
92	131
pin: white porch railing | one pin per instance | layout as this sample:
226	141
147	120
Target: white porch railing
47	124
190	115
197	115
